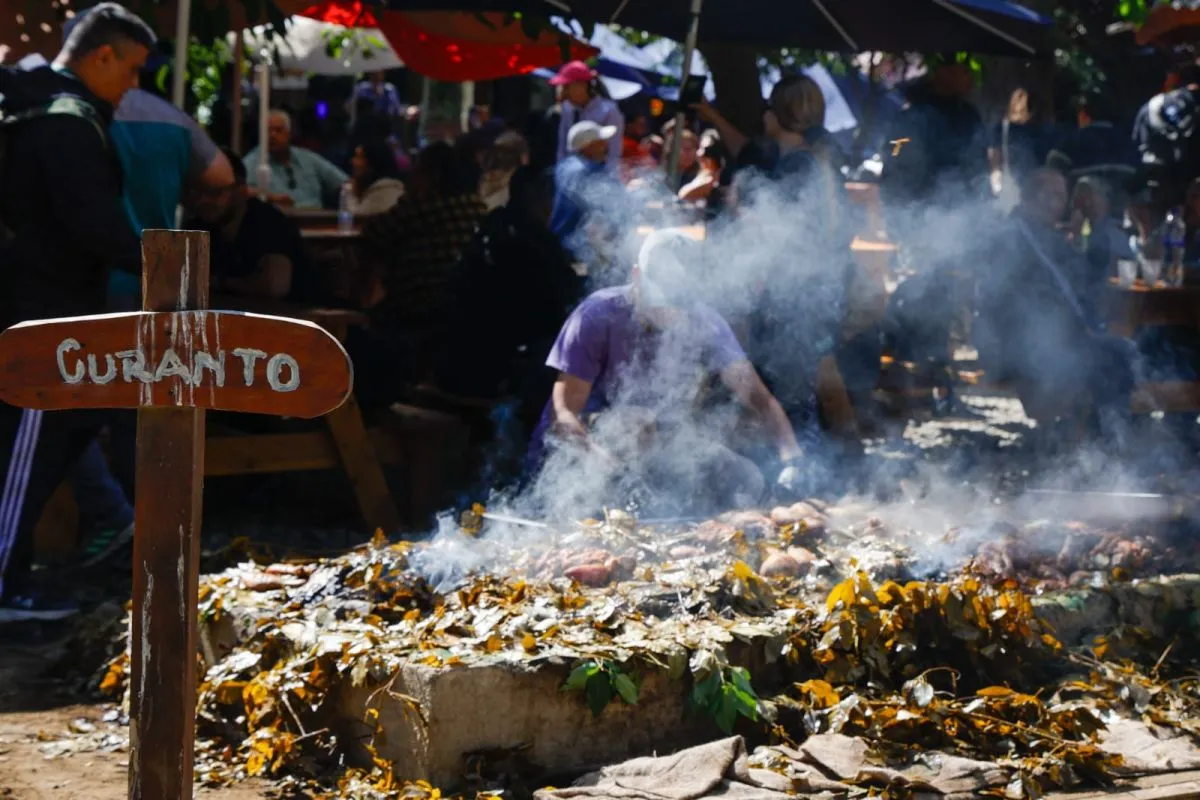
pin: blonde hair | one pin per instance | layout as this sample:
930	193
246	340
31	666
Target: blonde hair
798	104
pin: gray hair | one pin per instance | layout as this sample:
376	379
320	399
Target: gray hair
279	113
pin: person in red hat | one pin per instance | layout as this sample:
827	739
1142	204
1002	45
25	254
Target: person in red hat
583	100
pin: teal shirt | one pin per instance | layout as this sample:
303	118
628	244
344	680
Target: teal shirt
308	179
159	147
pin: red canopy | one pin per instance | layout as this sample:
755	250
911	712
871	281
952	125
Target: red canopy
456	46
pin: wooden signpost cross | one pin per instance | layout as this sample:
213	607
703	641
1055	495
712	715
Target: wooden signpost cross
172	361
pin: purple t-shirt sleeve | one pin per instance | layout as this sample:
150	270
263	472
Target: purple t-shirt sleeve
721	349
579	349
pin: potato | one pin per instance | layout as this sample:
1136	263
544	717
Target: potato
780	565
594	575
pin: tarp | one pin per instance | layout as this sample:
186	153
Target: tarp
304	46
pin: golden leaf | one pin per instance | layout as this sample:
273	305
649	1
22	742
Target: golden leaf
529	643
822	693
494	643
742	571
996	691
844	594
380	539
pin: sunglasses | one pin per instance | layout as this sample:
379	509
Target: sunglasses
291	178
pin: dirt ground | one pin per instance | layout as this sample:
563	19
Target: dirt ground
48	748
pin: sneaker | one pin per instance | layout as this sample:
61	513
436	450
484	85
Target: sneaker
104	545
29	608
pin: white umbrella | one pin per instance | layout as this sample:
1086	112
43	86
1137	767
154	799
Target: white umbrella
303	47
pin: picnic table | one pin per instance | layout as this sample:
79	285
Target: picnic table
1129	309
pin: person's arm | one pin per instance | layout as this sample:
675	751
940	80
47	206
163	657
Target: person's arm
207	164
271	281
744	382
698	189
85	192
615	118
568	399
733	139
332	179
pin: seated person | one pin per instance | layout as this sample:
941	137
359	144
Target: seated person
510	294
632	360
375	186
257	253
1034	326
1105	242
299	177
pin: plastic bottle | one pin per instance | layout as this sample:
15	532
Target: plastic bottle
262	174
1174	243
345	218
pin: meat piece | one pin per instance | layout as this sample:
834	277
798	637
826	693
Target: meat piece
579	558
683	551
751	522
264	582
298	570
797	512
621	567
594	575
780	565
715	534
802	556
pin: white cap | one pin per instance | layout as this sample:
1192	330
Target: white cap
663	265
584	133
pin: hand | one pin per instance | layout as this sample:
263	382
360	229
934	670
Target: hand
794	481
706	112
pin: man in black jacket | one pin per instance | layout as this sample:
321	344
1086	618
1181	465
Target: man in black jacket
66	227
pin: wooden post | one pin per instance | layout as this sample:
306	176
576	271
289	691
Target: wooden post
166	544
171	361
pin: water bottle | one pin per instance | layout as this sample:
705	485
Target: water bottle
1174	243
262	175
345	217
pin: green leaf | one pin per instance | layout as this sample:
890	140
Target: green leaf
741	681
706	691
747	704
726	713
625	688
599	692
579	677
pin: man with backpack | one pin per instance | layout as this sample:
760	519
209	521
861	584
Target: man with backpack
63	227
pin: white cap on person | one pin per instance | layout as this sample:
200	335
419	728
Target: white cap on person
662	264
587	132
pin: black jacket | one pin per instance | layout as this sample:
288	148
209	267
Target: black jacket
60	195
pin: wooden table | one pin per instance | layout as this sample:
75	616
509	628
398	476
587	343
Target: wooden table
1128	309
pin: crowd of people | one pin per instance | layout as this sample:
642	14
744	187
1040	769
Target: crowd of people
506	267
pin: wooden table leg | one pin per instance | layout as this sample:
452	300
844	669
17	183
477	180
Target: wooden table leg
361	464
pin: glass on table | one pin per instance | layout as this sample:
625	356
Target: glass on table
1127	272
1151	271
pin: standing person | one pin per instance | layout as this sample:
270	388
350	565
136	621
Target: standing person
586	191
1097	148
1019	143
61	203
378	96
1164	133
299	178
161	150
582	101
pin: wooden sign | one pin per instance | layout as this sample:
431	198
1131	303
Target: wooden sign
171	362
215	360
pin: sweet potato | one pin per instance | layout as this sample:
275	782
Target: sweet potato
594	575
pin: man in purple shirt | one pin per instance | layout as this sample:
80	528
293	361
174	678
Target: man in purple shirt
632	360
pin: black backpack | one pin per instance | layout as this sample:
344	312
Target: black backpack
62	104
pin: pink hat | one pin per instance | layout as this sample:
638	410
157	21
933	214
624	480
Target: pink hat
573	72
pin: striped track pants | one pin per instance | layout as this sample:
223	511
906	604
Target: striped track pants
37	449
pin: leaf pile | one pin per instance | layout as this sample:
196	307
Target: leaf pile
905	664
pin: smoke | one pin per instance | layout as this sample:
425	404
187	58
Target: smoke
670	442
